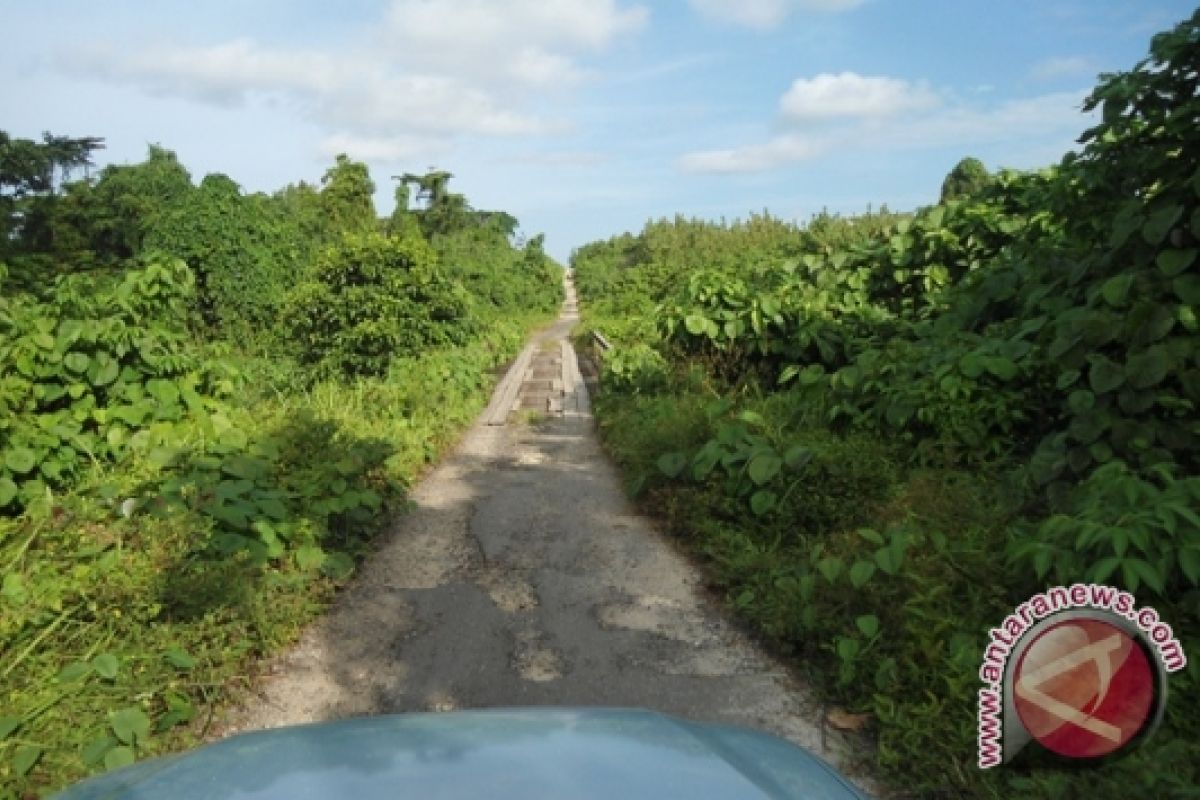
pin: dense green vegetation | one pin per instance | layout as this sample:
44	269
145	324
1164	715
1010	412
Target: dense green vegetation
210	401
882	433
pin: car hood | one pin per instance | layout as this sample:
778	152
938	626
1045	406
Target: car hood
497	755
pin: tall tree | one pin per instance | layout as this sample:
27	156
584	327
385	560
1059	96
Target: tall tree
347	196
968	177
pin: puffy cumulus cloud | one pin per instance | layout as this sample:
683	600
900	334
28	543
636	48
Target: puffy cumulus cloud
427	69
226	73
528	41
766	14
360	94
458	25
1042	122
780	150
848	94
381	104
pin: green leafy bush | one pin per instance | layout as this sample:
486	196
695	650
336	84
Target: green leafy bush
637	369
1017	369
244	252
91	370
371	297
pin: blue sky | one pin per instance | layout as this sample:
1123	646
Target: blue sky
582	117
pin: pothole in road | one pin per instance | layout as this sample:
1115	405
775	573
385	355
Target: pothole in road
660	615
534	660
508	591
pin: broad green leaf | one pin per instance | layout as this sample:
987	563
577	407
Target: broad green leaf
1081	401
20	460
309	557
1105	376
25	757
671	464
119	757
1187	289
275	509
8	491
1115	291
762	501
161	457
76	362
861	572
798	457
763	468
179	659
848	648
868	624
1100	451
696	324
1159	224
232	439
165	392
106	665
849	376
104	370
830	567
888	560
1148	368
131	725
971	365
74	671
230	489
752	418
873	536
705	461
1148	322
1173	262
1002	368
8	724
95	750
1067	379
811	374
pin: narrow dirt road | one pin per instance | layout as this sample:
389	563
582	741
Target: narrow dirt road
522	577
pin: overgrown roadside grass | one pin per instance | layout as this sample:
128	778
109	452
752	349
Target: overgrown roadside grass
878	581
132	604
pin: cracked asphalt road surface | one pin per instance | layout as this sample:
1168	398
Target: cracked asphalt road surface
522	577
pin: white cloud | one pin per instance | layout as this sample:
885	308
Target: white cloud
766	14
1066	66
428	69
848	94
225	73
1023	119
383	104
778	151
1034	122
356	93
528	41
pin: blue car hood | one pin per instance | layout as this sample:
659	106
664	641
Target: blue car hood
489	755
